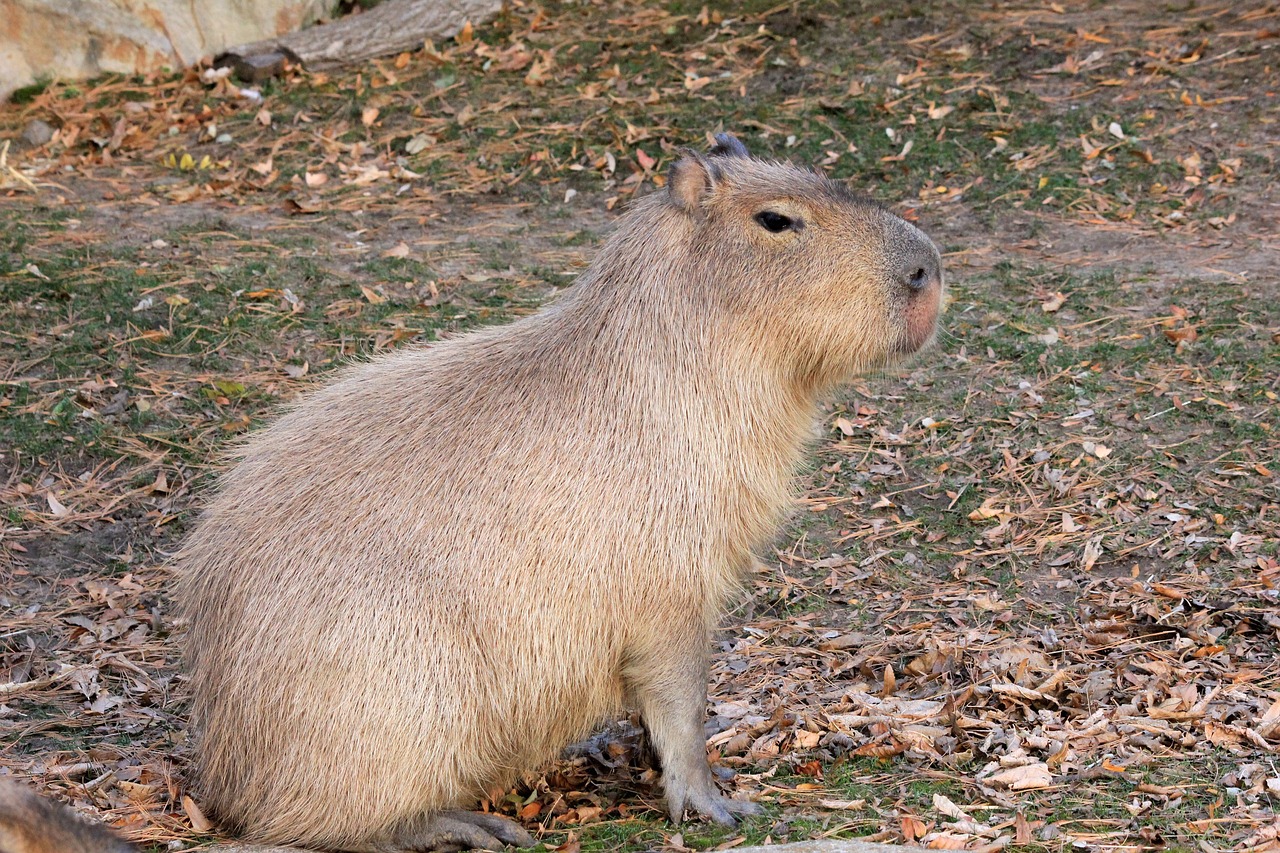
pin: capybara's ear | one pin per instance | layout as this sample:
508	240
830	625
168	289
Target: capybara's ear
728	145
689	181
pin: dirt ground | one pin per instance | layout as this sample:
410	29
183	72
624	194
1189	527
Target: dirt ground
1029	595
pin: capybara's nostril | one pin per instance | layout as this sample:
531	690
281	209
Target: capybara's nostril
920	268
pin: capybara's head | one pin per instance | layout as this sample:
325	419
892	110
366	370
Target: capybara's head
835	281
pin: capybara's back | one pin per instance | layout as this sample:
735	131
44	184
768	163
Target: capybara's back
445	565
31	824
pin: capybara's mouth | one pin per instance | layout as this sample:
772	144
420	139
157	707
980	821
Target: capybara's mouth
920	320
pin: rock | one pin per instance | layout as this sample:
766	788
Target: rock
37	133
255	69
390	27
75	39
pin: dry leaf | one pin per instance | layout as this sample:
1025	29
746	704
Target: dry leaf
199	822
1019	691
989	510
419	142
1269	724
1092	551
1021	830
912	828
1025	778
945	841
945	806
837	805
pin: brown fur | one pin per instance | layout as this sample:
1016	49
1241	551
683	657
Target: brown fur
32	824
450	562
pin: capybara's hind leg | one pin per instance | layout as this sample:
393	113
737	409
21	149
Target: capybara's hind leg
669	685
450	831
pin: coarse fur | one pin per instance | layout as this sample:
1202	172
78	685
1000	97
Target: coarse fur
451	561
31	824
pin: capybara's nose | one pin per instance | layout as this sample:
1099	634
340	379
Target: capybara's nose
921	270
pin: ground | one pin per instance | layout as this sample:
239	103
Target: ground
1029	594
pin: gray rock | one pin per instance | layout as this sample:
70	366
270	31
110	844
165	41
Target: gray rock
75	39
37	133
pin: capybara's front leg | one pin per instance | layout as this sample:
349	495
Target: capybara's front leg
668	683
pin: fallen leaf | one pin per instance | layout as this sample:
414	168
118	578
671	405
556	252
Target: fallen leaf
1053	303
199	822
945	806
418	143
1025	778
1092	551
1269	724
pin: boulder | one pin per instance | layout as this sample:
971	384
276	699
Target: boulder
76	39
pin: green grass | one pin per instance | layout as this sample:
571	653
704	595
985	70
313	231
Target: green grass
199	312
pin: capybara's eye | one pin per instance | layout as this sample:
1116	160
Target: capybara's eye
774	223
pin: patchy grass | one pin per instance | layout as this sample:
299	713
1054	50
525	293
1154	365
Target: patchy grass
1029	594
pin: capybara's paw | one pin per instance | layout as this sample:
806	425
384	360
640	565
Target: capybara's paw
707	801
458	830
725	810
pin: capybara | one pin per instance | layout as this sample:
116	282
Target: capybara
446	564
31	824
